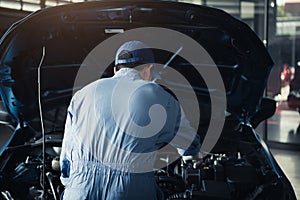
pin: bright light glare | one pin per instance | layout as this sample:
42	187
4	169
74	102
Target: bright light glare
31	8
32	1
10	4
272	4
280	2
51	3
33	5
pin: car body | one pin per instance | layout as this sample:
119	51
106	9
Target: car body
42	54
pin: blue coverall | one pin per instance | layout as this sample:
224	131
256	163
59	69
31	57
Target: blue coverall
101	159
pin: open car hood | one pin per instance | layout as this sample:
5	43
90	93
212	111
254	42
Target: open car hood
56	42
70	32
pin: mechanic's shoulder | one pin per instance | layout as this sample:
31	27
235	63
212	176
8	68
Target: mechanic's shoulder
160	91
154	87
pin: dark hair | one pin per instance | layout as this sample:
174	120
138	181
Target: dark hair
125	55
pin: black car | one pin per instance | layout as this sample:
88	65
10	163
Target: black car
41	56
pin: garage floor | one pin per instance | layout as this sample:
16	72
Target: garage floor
289	162
282	127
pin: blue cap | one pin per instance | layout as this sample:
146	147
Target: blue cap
141	53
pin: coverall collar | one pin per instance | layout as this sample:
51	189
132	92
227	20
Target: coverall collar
129	72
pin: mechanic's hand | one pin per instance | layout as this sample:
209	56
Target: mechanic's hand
198	156
196	159
187	158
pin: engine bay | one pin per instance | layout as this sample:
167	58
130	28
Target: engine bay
240	172
217	176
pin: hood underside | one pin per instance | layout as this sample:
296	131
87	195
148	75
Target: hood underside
70	32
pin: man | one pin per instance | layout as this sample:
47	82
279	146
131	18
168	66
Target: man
114	128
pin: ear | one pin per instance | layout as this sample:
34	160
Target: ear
150	67
115	69
146	73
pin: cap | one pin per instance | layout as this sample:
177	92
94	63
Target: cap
140	54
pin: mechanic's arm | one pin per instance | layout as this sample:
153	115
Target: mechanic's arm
184	136
187	140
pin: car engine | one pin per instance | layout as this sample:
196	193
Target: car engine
216	176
